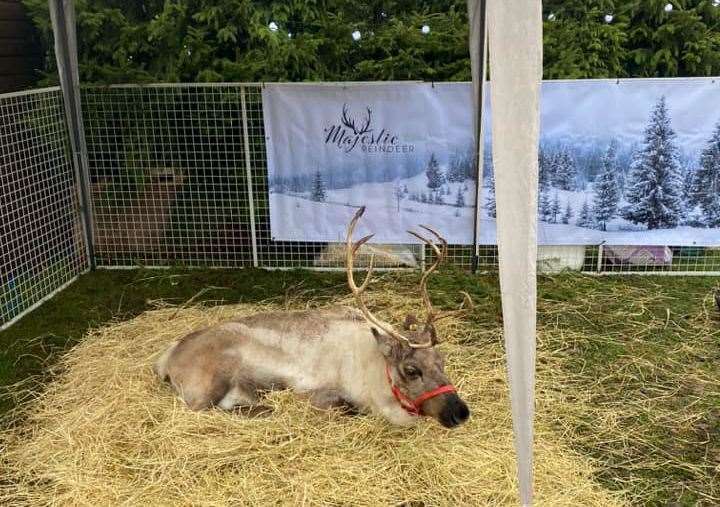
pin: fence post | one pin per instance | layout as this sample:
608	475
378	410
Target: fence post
248	175
62	14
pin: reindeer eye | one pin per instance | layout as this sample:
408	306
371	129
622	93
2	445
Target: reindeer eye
411	372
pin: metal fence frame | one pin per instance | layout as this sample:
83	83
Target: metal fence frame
43	246
228	111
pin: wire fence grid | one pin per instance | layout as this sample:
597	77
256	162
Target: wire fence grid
178	177
42	245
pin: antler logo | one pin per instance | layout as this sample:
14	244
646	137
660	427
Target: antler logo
350	121
355	130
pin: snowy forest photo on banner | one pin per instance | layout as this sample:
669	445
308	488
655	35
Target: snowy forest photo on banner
631	162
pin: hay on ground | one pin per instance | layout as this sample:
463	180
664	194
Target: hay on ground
105	431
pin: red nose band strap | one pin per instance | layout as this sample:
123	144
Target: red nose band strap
447	388
414	407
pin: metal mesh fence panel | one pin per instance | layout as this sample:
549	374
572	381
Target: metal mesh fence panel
168	176
42	247
179	177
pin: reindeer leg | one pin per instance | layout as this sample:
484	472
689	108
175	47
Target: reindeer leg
327	399
244	401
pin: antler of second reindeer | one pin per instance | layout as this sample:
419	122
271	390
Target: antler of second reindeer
352	249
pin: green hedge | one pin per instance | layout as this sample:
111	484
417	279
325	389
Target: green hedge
230	40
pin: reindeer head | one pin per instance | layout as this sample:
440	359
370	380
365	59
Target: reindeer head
349	121
415	369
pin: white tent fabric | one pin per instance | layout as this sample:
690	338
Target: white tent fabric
515	47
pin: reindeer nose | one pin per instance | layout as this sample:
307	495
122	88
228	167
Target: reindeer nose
455	413
462	413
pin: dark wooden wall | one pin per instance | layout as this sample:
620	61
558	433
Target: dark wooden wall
20	51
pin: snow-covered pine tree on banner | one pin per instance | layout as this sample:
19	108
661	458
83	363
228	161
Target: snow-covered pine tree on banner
435	176
544	206
655	188
460	198
585	219
564	171
545	164
555	208
490	199
399	194
607	193
568	214
318	191
460	167
706	183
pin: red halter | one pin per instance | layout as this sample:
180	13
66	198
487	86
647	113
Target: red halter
414	407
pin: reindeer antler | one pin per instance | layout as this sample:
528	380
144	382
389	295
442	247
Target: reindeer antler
352	249
440	256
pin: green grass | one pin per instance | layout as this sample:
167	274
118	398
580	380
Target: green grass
24	291
648	352
644	351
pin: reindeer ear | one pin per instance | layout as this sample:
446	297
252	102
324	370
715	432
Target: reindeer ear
385	343
411	321
430	329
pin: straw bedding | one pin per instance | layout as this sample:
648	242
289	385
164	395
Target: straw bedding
105	431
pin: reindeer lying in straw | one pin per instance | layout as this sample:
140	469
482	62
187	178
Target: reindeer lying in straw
340	358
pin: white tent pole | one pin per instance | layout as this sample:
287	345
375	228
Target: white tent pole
515	43
478	65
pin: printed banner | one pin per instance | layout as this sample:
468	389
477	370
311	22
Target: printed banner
401	150
630	162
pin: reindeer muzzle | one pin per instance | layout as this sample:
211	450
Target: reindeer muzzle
454	413
414	406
